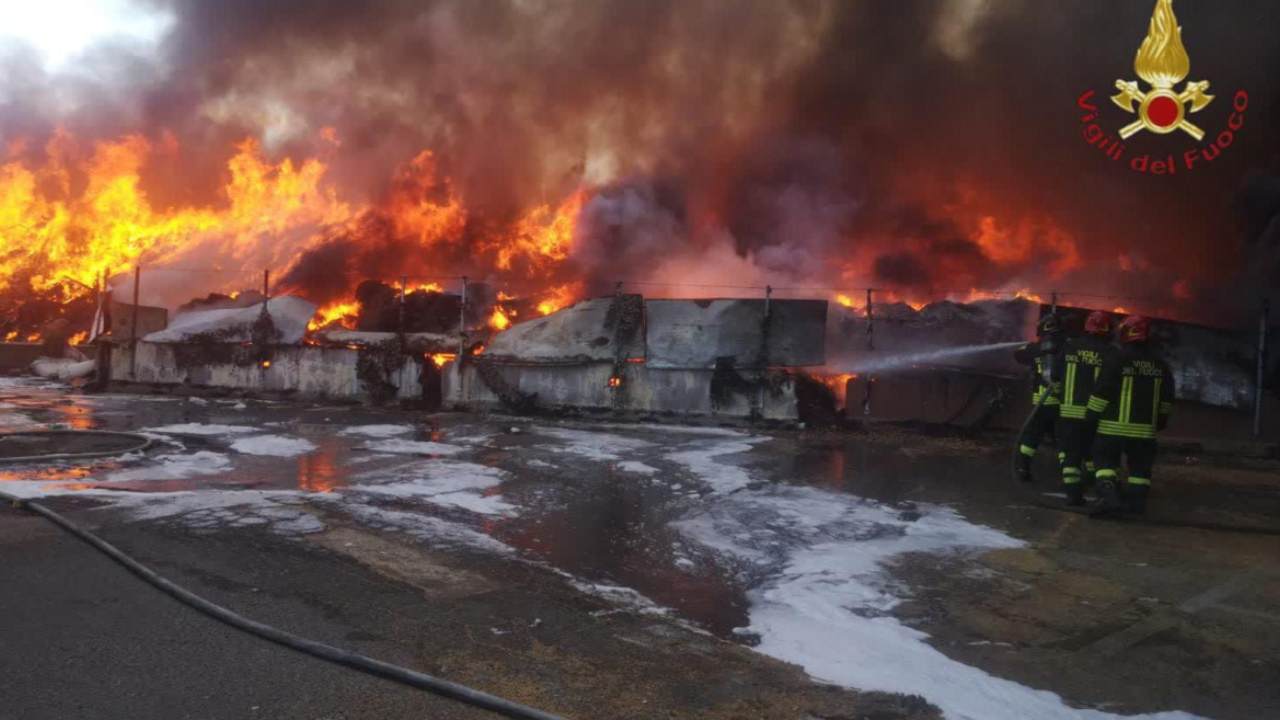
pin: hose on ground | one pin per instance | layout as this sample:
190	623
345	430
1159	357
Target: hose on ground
145	442
338	656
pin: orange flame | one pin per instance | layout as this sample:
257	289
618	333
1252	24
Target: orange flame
342	313
58	233
542	236
499	320
559	297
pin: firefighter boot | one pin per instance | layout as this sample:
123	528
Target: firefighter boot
1135	497
1109	501
1075	493
1022	468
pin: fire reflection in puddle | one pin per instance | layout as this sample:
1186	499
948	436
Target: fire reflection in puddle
320	471
48	474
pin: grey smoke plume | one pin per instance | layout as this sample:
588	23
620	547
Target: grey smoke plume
836	143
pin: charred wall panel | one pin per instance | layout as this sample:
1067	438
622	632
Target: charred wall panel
695	334
1210	365
585	332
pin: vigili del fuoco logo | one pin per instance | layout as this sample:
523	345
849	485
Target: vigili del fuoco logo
1162	63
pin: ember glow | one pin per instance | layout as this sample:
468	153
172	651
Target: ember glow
442	359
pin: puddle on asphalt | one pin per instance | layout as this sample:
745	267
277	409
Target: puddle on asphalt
322	470
579	514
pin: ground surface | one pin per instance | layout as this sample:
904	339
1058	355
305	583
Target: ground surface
613	571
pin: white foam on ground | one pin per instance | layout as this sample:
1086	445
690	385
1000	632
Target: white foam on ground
174	467
273	445
441	482
680	429
702	460
377	431
201	429
822	595
400	446
636	467
278	510
424	527
592	445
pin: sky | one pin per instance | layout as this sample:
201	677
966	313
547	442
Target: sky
59	30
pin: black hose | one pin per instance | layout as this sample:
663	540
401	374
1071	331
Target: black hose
143	445
355	661
1017	443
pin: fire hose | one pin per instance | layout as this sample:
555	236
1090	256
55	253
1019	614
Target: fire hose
329	653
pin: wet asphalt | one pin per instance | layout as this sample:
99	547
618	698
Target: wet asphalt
82	639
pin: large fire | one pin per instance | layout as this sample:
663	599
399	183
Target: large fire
74	221
76	217
79	215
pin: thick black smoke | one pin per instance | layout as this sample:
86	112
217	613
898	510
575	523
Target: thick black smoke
834	143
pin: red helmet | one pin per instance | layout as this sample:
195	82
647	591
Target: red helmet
1134	328
1098	323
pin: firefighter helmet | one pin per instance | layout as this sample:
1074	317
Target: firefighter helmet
1134	328
1049	325
1098	323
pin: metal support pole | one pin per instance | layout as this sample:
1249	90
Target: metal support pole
99	293
764	328
462	323
1259	390
133	325
871	345
764	352
1053	302
404	288
266	285
871	323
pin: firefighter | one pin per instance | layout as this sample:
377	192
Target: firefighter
1131	403
1078	367
1044	392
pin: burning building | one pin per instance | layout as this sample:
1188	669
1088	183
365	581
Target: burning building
820	147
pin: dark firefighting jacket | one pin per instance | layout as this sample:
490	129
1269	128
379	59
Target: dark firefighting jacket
1078	367
1134	393
1045	387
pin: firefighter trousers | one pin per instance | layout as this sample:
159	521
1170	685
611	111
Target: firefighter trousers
1037	426
1075	448
1139	454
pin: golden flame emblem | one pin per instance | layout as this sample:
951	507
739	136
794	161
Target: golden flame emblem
1163	62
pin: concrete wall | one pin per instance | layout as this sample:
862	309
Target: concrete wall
300	370
643	390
